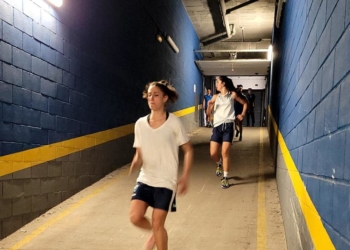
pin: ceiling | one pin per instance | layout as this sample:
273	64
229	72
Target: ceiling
235	35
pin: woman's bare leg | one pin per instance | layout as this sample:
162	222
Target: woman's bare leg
137	213
225	153
150	243
138	210
160	233
214	151
240	130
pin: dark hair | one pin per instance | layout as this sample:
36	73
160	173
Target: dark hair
165	87
228	83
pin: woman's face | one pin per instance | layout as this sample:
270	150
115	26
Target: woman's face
219	84
156	98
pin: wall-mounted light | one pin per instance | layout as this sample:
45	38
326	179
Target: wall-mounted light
269	53
172	44
159	36
57	3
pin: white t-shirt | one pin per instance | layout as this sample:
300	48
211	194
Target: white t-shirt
224	111
160	149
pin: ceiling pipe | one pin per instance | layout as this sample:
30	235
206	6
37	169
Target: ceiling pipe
230	50
240	6
279	12
230	28
213	39
225	18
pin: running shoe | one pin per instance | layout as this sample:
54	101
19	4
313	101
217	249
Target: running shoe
224	183
218	170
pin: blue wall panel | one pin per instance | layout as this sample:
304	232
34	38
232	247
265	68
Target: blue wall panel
311	91
76	70
347	156
344	118
342	56
317	88
81	68
347	18
341	200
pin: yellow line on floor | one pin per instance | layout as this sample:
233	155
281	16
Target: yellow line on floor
66	212
261	220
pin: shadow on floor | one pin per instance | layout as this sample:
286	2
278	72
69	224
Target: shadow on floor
251	178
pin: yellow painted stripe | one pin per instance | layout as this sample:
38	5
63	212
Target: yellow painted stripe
261	223
67	211
25	159
18	161
313	220
184	112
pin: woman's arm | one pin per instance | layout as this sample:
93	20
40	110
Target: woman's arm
211	105
136	161
243	102
188	158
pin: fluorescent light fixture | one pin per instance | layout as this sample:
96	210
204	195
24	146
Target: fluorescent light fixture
269	54
57	3
172	44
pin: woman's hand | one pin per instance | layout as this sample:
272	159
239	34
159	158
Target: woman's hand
243	102
182	185
240	117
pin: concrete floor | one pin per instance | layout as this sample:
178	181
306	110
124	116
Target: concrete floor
245	216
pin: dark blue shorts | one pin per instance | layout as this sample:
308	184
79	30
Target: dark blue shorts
223	133
156	197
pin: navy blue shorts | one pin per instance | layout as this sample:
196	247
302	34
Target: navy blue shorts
223	133
156	197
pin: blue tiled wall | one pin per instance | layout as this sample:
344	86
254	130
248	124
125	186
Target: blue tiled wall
72	71
312	89
75	70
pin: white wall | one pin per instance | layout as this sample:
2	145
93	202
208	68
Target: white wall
253	82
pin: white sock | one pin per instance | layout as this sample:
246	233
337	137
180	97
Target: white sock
225	174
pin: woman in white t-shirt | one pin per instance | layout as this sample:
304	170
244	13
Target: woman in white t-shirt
158	137
224	117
